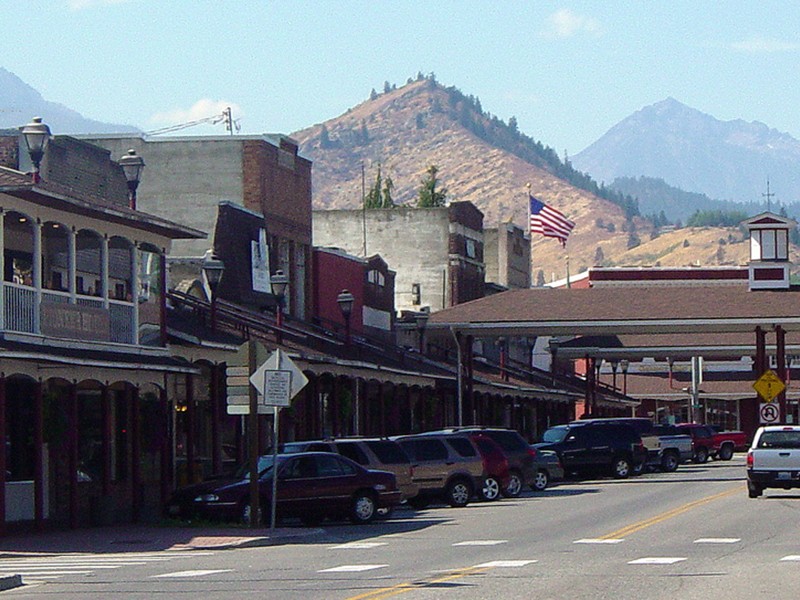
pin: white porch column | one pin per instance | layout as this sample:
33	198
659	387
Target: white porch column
2	271
37	275
104	271
135	291
72	237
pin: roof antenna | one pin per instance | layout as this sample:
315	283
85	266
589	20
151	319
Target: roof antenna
768	196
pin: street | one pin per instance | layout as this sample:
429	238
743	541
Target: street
689	534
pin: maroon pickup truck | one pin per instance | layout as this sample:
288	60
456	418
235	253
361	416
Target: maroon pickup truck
706	441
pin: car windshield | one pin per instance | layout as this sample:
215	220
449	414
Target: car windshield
555	435
264	467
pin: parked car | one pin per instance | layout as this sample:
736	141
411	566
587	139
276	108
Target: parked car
311	486
496	474
447	467
666	449
714	444
526	465
773	460
371	453
584	447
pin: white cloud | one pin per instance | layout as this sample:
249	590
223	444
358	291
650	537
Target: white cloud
202	109
761	44
564	23
84	4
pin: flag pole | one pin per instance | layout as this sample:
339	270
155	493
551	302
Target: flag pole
530	236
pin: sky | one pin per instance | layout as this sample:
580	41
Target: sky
568	71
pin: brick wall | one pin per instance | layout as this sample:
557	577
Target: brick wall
9	150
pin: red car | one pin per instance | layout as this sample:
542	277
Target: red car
311	486
497	474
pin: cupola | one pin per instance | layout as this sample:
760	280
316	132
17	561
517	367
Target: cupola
769	251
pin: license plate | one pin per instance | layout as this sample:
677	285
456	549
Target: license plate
783	475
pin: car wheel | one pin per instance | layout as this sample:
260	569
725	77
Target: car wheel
514	488
638	469
754	491
726	452
621	467
458	493
669	462
701	455
363	509
246	514
541	481
490	490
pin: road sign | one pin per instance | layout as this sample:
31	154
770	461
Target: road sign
769	386
278	361
769	413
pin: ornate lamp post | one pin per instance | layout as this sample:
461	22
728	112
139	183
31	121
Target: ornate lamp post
132	165
279	282
213	268
37	135
345	301
624	363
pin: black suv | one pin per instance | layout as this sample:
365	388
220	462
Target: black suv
591	446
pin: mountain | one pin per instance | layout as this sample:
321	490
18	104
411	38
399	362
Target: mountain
728	160
19	103
489	163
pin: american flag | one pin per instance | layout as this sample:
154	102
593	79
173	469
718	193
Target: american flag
549	222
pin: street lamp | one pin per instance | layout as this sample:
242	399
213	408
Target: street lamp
132	165
422	322
345	301
213	268
624	363
279	282
36	135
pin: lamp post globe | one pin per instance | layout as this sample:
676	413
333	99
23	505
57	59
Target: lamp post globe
279	283
132	166
36	135
345	301
213	268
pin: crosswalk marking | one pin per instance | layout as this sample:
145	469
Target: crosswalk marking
352	568
717	540
599	541
35	568
481	543
358	545
194	573
505	564
656	560
791	557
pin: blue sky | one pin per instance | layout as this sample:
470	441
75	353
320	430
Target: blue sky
568	71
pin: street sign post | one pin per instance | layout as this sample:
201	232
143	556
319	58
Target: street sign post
769	386
769	413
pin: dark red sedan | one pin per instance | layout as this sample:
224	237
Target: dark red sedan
311	486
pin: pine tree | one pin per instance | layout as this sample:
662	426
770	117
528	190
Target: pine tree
388	188
324	138
429	196
373	197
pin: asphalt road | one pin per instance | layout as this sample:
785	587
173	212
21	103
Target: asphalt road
683	535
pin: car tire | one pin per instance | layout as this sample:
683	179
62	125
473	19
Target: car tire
754	491
362	508
621	467
726	452
458	493
514	488
669	462
490	490
540	481
701	455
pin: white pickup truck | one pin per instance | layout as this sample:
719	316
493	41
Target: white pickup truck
773	460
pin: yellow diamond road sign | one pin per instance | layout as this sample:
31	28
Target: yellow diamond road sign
769	386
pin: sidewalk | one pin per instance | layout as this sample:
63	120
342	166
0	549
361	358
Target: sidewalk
145	538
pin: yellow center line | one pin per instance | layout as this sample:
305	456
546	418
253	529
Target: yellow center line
401	588
633	528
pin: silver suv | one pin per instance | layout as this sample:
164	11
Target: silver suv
447	467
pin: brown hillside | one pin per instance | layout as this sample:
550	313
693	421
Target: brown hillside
408	129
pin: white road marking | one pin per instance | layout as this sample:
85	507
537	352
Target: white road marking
599	541
717	540
481	543
506	563
791	557
358	545
196	573
656	560
352	568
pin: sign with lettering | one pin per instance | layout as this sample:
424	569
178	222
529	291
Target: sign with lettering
75	322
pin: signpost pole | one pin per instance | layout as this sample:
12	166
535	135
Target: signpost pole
274	506
252	431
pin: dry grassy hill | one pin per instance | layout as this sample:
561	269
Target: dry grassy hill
421	124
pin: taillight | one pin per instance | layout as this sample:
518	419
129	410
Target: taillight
532	452
750	460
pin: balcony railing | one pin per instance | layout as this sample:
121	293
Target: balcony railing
86	319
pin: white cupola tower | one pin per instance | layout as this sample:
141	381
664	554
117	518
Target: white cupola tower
769	251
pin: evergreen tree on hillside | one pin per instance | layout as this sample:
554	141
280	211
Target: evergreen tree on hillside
324	138
380	193
429	196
